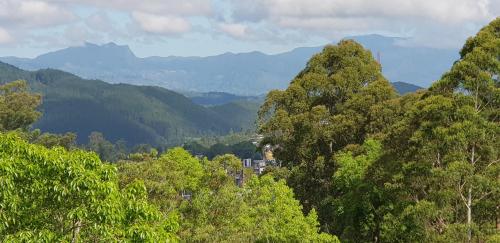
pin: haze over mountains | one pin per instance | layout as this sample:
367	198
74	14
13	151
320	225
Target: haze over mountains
252	73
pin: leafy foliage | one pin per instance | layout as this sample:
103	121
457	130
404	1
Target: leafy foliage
17	106
244	149
329	105
217	210
383	168
448	165
56	195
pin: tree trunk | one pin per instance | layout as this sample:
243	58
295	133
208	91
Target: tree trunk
76	231
469	199
469	215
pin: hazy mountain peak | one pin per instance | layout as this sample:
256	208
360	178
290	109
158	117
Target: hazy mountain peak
110	44
89	55
89	44
249	73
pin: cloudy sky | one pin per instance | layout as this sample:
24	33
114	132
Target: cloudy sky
207	27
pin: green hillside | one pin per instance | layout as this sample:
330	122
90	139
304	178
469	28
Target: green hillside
137	114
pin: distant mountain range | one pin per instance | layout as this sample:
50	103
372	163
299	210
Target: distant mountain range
252	73
404	88
137	114
221	98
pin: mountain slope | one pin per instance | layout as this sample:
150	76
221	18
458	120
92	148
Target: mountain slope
137	114
242	112
251	73
404	88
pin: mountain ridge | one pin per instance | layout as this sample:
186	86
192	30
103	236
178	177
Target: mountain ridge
249	74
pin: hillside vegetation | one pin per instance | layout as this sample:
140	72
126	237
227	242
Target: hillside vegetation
137	114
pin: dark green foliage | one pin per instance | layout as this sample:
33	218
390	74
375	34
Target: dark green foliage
240	112
106	150
366	164
331	104
243	150
423	167
136	114
49	140
446	181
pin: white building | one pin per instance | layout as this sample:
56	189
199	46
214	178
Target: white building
247	163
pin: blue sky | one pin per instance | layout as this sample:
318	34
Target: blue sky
209	27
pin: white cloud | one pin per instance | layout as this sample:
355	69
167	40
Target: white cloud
163	17
443	23
238	31
168	7
442	10
438	22
5	37
159	24
32	14
100	21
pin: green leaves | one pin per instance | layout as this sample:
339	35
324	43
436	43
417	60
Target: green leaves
336	103
17	106
352	169
213	208
446	177
56	195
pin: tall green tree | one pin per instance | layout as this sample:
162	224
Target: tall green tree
106	150
17	106
331	104
447	146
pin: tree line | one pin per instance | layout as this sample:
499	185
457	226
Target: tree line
379	167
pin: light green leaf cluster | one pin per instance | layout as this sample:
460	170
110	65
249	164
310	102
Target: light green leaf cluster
59	195
17	106
217	209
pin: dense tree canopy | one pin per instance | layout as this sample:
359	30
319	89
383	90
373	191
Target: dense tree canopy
332	103
382	168
212	206
56	195
447	149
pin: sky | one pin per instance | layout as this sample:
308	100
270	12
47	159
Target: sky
208	27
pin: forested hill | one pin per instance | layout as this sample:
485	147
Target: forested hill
137	114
